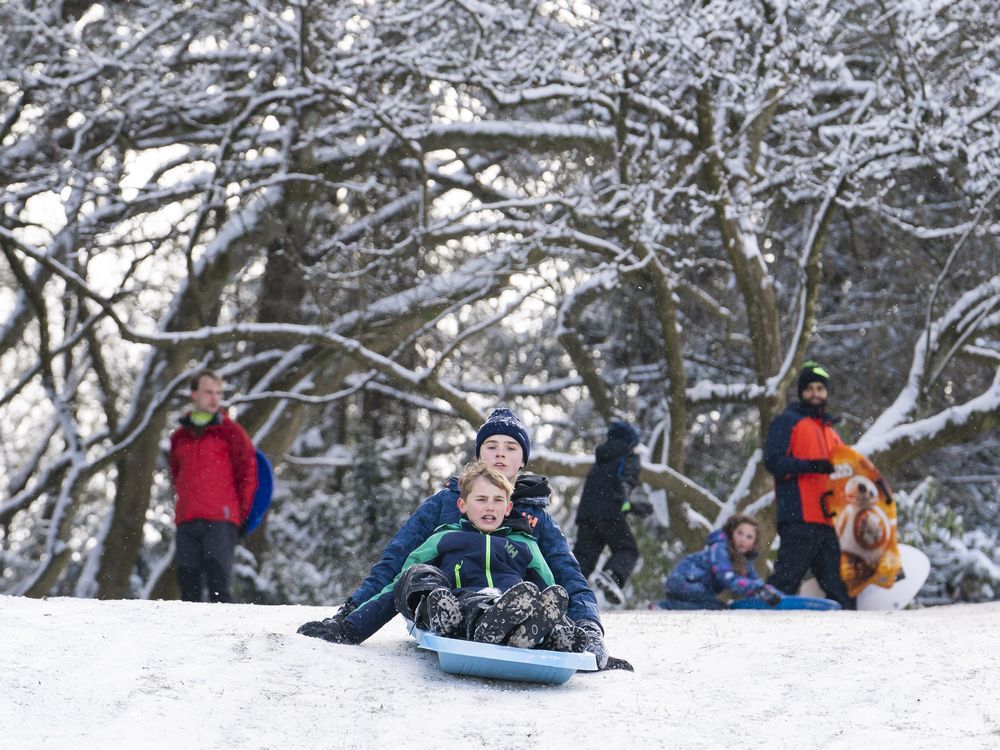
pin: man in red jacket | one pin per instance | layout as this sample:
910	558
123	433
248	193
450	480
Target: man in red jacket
215	476
797	453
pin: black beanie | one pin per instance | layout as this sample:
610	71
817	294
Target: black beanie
504	422
812	372
623	431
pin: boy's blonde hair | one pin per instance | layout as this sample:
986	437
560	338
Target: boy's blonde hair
481	470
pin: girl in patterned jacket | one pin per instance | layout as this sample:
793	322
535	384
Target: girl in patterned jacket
724	565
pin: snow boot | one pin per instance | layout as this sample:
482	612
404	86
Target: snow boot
530	632
444	613
610	588
566	636
411	589
549	610
512	608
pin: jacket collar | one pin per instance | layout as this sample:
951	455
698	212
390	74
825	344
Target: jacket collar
814	412
185	421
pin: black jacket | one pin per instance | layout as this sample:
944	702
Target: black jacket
609	483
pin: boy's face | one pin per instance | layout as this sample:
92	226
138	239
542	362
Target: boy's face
486	506
208	397
504	454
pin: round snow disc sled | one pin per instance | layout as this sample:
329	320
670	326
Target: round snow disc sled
916	568
457	656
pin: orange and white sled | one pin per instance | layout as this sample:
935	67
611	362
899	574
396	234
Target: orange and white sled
865	519
864	515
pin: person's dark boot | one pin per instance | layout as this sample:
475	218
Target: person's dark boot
551	606
512	608
611	588
444	613
566	636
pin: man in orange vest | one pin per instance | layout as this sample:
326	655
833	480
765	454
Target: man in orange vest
797	453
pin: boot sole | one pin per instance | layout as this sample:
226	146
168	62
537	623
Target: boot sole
512	608
444	612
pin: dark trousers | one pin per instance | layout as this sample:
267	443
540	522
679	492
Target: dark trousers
413	586
592	535
205	553
411	589
810	547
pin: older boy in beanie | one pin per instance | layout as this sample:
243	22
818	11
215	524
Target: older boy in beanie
503	443
601	518
797	453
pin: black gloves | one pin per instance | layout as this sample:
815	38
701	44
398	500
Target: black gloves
345	609
595	641
820	466
615	663
595	645
770	595
334	629
331	630
641	508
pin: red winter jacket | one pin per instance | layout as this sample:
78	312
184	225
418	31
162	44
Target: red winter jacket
214	471
797	436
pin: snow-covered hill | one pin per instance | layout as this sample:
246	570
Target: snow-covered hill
136	674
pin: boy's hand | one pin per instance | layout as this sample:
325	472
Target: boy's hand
595	641
332	630
345	609
615	663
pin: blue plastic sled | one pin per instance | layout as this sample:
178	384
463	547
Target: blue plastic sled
504	662
262	498
788	602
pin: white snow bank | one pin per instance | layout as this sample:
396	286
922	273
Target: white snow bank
77	673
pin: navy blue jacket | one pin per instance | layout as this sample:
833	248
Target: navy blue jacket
531	495
609	483
710	571
470	559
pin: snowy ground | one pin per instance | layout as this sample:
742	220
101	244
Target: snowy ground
136	674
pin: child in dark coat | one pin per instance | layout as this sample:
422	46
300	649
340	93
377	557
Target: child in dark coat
604	504
726	564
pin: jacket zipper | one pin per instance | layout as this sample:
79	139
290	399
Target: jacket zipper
823	440
489	573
